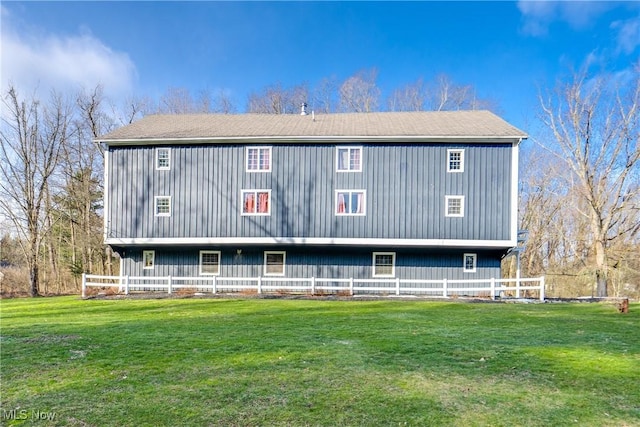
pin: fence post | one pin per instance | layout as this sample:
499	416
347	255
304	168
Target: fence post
351	286
542	288
313	285
84	285
126	284
169	283
214	284
397	286
493	288
259	284
445	292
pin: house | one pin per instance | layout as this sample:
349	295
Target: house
409	195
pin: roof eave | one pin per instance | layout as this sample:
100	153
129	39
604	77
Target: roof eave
310	139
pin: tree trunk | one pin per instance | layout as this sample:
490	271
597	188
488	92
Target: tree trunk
601	284
601	269
33	278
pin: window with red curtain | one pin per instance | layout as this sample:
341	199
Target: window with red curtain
263	203
350	202
249	203
256	202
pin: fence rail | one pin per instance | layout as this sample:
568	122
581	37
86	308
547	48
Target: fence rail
444	288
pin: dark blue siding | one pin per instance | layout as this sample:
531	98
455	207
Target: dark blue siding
320	262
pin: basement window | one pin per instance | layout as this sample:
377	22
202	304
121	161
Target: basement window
210	262
274	263
148	259
384	264
469	263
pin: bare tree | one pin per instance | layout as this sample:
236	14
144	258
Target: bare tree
32	137
178	100
594	127
276	99
441	94
79	199
132	109
359	93
272	100
555	244
411	97
325	95
223	104
445	95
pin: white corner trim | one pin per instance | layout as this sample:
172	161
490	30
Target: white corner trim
515	153
105	196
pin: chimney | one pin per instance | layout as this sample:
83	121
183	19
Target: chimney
303	109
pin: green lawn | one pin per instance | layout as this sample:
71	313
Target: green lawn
265	362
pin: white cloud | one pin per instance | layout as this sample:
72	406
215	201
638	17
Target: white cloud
62	62
538	15
628	34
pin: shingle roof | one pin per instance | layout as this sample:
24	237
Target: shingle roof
449	124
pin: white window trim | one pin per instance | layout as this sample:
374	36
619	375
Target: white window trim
446	206
364	208
456	150
348	147
158	150
202	273
246	190
153	260
155	206
393	264
284	263
464	263
246	157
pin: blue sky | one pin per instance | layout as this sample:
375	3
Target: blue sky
507	50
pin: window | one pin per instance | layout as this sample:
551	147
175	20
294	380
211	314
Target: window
258	159
455	160
274	263
454	206
256	202
349	159
350	202
163	158
162	206
210	262
148	259
384	264
469	263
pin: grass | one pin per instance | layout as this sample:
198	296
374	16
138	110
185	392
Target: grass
276	362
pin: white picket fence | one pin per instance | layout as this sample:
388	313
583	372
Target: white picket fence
315	285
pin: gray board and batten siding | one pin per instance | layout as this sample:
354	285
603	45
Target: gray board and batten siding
405	187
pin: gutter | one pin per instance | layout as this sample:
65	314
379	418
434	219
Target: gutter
312	139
